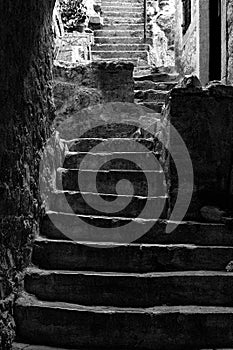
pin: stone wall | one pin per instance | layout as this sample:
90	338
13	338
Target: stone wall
203	117
26	114
229	32
186	49
161	25
80	86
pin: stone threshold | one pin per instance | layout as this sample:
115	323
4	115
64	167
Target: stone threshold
20	346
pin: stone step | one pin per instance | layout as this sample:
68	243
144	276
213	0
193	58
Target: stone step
155	106
146	160
87	203
120	9
77	256
138	70
123	13
123	3
120	47
201	288
106	182
158	77
150	231
147	84
122	144
120	54
123	20
136	62
21	346
166	327
119	33
123	26
118	40
151	95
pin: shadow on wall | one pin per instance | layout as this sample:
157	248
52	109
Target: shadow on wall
26	116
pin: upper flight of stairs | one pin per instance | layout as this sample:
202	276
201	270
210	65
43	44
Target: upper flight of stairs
122	35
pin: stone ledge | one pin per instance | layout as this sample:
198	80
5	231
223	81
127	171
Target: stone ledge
20	346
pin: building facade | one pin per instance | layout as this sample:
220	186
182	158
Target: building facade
203	39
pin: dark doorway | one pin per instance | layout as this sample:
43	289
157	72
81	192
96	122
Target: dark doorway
215	40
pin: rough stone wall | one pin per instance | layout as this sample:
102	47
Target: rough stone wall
26	114
161	25
203	117
80	86
229	31
186	45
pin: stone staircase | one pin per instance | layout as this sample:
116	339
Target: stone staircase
150	90
171	294
163	291
122	36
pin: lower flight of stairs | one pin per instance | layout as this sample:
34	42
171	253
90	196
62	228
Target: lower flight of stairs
163	291
139	295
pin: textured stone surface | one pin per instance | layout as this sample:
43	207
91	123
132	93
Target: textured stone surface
20	346
74	256
186	45
147	290
203	117
185	233
230	41
26	114
174	327
77	86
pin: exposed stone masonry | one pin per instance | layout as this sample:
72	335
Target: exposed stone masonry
77	87
26	114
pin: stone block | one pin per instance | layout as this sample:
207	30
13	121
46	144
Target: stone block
203	117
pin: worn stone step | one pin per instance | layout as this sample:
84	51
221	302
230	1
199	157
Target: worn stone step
119	9
123	20
151	95
76	256
166	327
119	33
115	7
87	203
147	85
155	106
136	62
120	54
136	182
118	40
146	290
151	231
123	13
21	346
158	77
122	144
112	160
138	70
122	3
120	47
123	26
